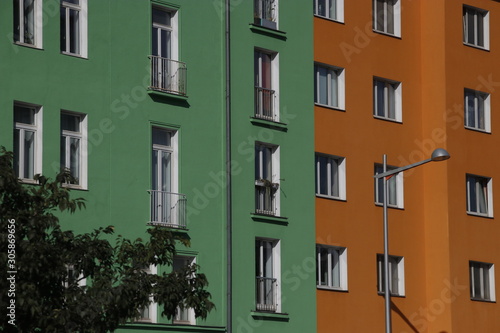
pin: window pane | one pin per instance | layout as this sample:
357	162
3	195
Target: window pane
161	17
481	189
334	183
480	29
323	172
324	267
335	268
323	86
25	115
471	181
392	191
17	133
154	41
379	15
29	154
74	31
29	21
476	271
75	158
62	26
165	171
70	122
480	111
334	88
333	9
391	100
154	171
379	103
471	26
470	109
322	7
62	152
165	44
161	137
17	27
266	71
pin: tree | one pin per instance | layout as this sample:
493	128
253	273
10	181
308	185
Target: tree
46	264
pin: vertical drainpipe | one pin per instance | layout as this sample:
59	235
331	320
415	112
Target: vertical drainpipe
229	226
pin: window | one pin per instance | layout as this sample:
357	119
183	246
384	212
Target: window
479	195
267	272
387	17
73	151
329	86
476	27
74	27
266	13
331	9
266	83
396	275
387	99
330	176
331	267
477	110
27	141
149	313
28	22
482	281
394	188
74	277
266	179
167	206
184	316
167	73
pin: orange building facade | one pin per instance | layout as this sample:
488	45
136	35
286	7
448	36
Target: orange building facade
403	77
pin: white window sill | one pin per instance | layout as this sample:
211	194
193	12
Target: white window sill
332	288
324	196
28	181
482	300
381	293
380	204
477	129
477	46
31	46
330	107
76	55
386	34
388	119
479	214
74	187
329	19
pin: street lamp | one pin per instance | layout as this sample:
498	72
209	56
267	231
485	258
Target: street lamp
439	154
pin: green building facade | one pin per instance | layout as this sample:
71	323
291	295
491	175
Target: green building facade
196	115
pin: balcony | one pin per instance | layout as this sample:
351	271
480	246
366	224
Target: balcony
265	202
266	294
168	75
168	209
264	103
265	13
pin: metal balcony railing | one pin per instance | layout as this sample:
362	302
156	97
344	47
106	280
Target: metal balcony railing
265	193
266	294
264	103
168	209
265	13
168	75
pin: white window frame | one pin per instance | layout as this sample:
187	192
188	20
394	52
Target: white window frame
174	151
399	270
485	185
37	25
339	74
392	99
82	282
153	306
333	162
274	56
275	178
338	6
37	146
480	101
276	269
190	260
82	136
82	28
335	256
398	185
396	17
486	284
469	10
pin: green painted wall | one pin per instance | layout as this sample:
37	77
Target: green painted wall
110	87
296	144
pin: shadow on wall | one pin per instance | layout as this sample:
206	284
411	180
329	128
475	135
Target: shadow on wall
411	326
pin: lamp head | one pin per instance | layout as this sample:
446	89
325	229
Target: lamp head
439	154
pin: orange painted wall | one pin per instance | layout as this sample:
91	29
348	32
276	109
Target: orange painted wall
433	232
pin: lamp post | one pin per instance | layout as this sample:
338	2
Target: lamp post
439	154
